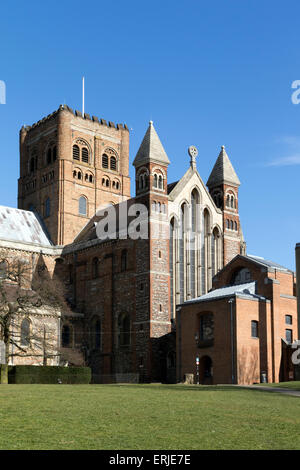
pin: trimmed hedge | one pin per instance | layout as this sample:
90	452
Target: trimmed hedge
48	375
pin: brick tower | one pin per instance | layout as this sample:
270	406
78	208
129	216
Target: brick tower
223	184
153	310
70	165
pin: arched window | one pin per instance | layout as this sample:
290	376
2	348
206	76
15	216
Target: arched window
241	276
66	336
95	268
54	153
113	163
124	330
47	207
160	182
206	327
75	152
155	181
49	156
235	226
231	225
84	155
79	175
124	260
25	332
96	332
227	223
74	174
31	165
91	178
104	161
82	205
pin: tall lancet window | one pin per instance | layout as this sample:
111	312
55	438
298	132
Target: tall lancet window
172	254
182	252
206	253
216	251
194	242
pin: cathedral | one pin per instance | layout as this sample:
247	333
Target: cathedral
122	290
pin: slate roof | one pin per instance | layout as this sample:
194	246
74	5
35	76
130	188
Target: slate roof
248	290
267	263
22	226
171	186
223	171
151	149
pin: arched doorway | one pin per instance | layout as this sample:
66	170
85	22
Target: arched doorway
206	370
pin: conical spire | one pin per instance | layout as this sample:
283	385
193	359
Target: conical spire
223	171
151	149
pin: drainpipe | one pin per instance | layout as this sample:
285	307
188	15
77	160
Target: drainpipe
231	301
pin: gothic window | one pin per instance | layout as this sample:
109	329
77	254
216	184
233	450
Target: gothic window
254	329
49	156
172	260
95	268
66	336
216	251
32	165
160	182
96	332
71	276
75	152
25	332
113	163
206	327
84	155
82	205
104	161
124	260
241	276
124	330
193	241
47	207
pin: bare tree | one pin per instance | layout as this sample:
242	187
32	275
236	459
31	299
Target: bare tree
31	305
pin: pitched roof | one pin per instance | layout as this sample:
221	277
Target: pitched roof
245	290
267	263
223	171
151	149
22	226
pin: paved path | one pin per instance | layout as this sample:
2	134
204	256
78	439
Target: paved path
263	388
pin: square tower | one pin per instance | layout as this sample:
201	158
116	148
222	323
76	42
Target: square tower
70	165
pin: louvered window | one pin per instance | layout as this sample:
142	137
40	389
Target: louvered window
75	152
104	161
85	155
113	163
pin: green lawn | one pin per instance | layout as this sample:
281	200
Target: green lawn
146	417
293	385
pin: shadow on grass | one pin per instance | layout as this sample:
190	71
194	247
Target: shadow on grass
180	387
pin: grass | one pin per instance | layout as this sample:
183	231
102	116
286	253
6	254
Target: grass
292	385
157	417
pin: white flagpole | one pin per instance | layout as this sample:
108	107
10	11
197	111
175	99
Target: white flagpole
83	96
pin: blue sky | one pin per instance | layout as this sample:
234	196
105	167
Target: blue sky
207	74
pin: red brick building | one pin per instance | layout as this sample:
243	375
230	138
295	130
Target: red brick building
241	329
123	290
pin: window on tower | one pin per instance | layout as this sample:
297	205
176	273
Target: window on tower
113	163
104	161
47	207
84	155
75	152
82	209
